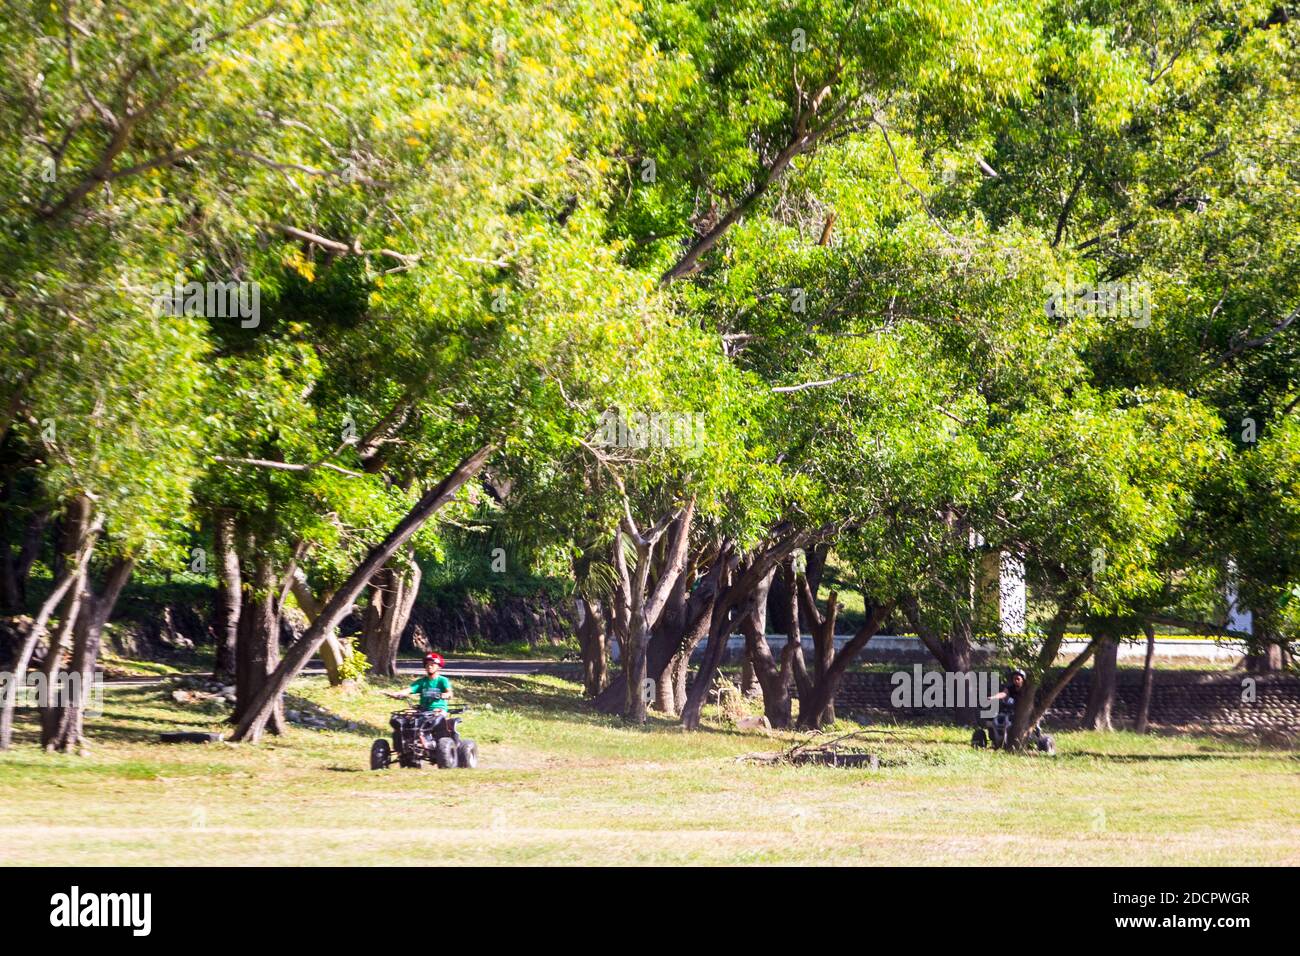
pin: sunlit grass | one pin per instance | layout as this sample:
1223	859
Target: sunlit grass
558	783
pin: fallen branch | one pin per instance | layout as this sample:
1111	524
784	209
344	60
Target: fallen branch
829	753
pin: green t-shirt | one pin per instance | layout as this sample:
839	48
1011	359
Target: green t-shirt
429	689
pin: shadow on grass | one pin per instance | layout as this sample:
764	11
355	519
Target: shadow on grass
104	730
542	701
363	727
1171	758
566	703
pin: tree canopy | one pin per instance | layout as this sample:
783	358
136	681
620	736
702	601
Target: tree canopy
666	296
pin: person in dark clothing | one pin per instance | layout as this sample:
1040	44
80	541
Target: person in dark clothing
1012	689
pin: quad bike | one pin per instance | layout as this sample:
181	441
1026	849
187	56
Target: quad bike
996	729
425	735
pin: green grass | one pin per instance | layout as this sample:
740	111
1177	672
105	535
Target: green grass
195	662
558	784
518	650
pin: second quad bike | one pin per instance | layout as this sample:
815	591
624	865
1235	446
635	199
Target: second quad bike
996	729
421	736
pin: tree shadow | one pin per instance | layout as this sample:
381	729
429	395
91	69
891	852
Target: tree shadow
132	728
362	728
1169	758
543	702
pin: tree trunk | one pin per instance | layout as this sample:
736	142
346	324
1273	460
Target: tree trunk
720	623
639	604
816	566
822	698
960	648
1268	659
672	643
665	693
72	565
63	639
1101	695
634	670
258	645
592	637
333	652
770	676
778	605
373	641
260	710
782	601
1031	705
823	635
668	631
772	679
65	730
402	609
1266	655
1027	717
720	630
666	699
1148	682
749	686
392	595
229	596
692	628
731	594
955	652
793	666
680	669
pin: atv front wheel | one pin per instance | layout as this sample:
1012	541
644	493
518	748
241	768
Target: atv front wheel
467	755
979	739
1047	744
379	754
444	753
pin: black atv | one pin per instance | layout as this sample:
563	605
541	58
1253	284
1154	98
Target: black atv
996	729
421	736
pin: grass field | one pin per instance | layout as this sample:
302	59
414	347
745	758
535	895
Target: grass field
557	784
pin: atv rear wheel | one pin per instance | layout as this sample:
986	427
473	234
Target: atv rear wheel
1047	744
979	739
379	754
467	755
444	753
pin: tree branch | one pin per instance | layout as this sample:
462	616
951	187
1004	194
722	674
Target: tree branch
819	384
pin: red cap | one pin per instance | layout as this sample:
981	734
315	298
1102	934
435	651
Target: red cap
433	659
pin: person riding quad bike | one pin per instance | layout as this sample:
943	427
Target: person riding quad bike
433	689
998	728
1010	691
428	732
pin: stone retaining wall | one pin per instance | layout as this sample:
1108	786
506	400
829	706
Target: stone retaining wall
1179	698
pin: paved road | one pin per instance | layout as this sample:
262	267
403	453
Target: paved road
468	668
412	666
